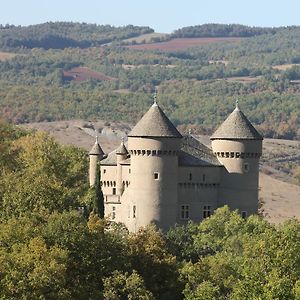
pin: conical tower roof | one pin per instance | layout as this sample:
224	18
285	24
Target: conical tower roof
155	123
96	149
122	149
236	126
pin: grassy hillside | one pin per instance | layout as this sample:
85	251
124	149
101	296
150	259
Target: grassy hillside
197	86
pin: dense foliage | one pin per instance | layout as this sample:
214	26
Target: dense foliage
61	35
50	250
221	30
197	87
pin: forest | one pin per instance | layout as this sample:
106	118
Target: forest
51	248
222	30
196	87
60	35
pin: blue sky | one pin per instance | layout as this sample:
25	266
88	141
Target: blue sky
163	16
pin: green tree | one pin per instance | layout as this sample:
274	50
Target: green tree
123	286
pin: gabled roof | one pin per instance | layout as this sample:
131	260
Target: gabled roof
194	153
155	123
111	158
236	126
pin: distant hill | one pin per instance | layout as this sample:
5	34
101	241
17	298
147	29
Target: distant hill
198	79
59	35
221	30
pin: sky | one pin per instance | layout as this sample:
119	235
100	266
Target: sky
161	15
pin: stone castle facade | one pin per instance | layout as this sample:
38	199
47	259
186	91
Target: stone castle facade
165	178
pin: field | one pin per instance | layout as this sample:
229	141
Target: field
280	198
6	56
182	43
145	38
82	73
284	67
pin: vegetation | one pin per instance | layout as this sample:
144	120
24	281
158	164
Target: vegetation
50	250
197	87
59	35
221	30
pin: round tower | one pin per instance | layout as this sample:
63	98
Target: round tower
238	146
153	145
96	154
121	154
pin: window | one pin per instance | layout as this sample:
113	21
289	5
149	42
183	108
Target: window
203	177
244	214
190	176
156	175
129	171
134	211
104	171
113	215
185	212
114	191
246	167
206	211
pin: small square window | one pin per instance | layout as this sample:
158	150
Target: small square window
113	215
134	211
156	175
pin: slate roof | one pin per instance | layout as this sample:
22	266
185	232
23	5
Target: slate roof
111	158
122	149
155	123
236	126
96	150
194	153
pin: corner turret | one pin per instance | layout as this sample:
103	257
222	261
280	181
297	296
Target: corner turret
238	146
153	145
96	154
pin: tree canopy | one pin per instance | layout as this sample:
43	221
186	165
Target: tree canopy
51	250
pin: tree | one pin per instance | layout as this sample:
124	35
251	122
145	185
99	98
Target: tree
94	199
123	286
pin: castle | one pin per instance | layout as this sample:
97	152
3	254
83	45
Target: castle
165	178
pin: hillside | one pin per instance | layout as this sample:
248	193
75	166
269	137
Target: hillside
59	35
197	84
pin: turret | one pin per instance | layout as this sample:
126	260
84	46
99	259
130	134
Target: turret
121	154
153	145
96	154
238	146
